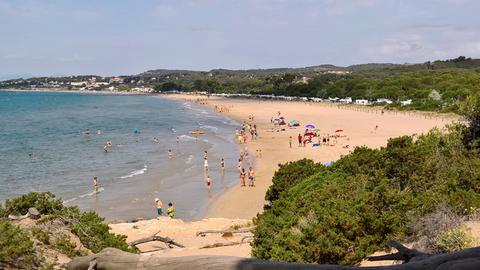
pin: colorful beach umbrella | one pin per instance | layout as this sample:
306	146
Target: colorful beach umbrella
310	126
293	121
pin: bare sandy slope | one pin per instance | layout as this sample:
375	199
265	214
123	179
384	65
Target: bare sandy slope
239	204
185	234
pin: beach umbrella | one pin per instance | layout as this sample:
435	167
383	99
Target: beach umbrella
339	130
293	122
316	130
310	126
308	134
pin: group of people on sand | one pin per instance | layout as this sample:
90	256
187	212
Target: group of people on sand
243	173
248	128
170	209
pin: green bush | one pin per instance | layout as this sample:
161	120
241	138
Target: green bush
93	231
289	174
41	235
88	226
16	248
63	244
347	211
45	202
452	240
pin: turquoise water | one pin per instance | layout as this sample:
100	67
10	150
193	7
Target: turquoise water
43	148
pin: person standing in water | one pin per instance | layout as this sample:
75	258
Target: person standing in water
222	165
95	184
178	139
205	164
159	205
209	182
170	155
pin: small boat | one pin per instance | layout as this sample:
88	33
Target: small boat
197	132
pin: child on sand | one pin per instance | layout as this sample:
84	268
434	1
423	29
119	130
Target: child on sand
159	206
171	210
251	177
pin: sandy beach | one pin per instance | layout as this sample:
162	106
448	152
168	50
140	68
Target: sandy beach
361	126
358	125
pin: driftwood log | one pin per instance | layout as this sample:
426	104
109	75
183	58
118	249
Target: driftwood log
110	258
241	230
165	240
32	213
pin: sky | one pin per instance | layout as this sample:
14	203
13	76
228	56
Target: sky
120	37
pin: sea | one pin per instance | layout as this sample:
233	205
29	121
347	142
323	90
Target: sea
49	142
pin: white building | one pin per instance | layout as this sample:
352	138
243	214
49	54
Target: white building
406	102
384	100
347	100
361	102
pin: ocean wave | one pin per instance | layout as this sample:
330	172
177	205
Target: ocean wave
100	189
208	127
136	172
186	138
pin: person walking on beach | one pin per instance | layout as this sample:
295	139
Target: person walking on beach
290	141
300	139
171	210
159	205
251	177
95	184
243	174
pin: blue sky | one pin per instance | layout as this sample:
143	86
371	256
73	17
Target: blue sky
127	37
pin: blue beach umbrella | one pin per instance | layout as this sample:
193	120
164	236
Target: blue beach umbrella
310	126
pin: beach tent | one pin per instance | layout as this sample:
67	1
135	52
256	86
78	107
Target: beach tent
310	126
328	163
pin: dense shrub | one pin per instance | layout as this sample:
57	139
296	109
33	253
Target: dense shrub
289	174
45	202
91	229
16	249
347	211
452	240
